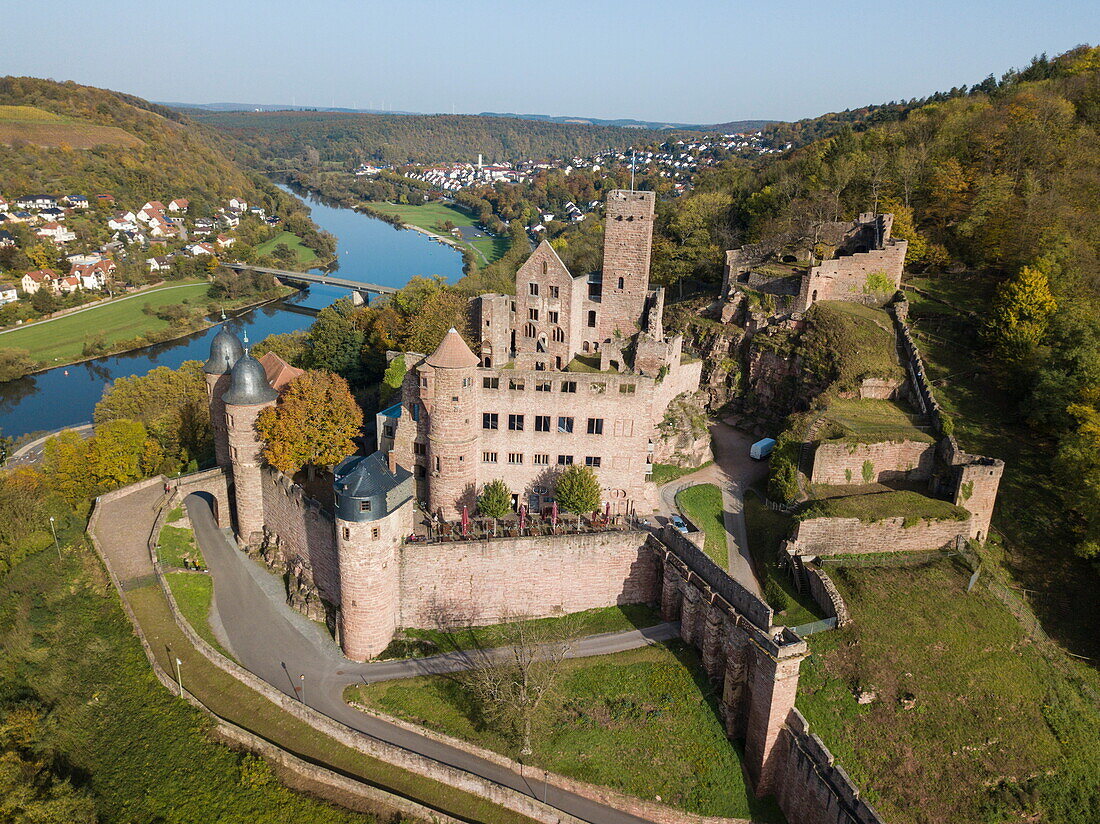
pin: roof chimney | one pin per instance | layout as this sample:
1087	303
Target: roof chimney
391	460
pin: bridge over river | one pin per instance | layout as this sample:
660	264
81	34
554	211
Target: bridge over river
364	290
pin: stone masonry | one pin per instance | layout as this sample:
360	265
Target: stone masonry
843	463
850	536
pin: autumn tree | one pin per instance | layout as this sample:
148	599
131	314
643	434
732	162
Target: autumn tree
336	341
495	500
1078	464
577	490
120	453
1021	312
392	379
441	311
313	424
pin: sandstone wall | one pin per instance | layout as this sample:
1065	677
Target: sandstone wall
826	595
845	278
484	582
305	531
842	463
844	536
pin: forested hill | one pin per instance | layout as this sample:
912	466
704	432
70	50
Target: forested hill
280	140
1001	182
64	138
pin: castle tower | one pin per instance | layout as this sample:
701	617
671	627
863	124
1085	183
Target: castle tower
627	241
448	392
249	393
374	512
225	351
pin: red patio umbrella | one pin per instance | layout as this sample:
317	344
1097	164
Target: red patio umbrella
554	514
523	516
465	521
607	511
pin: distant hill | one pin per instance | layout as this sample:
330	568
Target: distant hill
731	127
64	138
284	139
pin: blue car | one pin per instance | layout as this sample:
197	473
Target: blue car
678	524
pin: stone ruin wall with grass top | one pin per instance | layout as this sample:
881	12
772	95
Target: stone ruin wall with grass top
842	463
819	537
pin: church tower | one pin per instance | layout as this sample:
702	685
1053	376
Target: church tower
627	239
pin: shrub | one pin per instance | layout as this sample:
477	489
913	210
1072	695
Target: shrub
775	595
495	500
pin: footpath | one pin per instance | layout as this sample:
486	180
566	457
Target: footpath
283	696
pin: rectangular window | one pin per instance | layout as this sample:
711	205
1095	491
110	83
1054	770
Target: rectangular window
533	289
515	457
568	386
490	420
516	384
424	382
488	457
597	388
416	411
565	460
490	383
466	382
387	431
553	291
542	423
565	424
595	426
374	532
542	386
347	534
532	314
552	317
541	459
419	449
437	464
515	423
626	388
592	319
592	460
364	506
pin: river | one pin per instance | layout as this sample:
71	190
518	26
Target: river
368	250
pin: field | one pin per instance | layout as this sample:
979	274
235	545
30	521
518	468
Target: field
702	504
27	124
665	473
194	594
969	720
431	216
62	340
643	722
176	545
871	420
420	642
881	505
306	256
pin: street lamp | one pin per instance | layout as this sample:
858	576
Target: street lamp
53	529
302	678
179	679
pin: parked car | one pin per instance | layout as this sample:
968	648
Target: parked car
762	449
678	524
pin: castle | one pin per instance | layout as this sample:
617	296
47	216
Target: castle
572	369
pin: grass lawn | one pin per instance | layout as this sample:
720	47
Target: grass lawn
431	216
194	593
766	529
970	721
306	256
419	642
871	420
122	319
703	506
176	544
881	505
858	339
643	722
664	473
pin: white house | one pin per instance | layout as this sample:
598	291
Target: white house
238	204
68	285
180	204
77	201
196	249
93	275
7	239
55	232
225	241
9	292
159	264
39	279
36	202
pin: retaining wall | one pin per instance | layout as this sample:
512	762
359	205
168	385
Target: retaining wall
839	464
826	595
843	536
305	531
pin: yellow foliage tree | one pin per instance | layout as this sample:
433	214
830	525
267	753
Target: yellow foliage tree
1021	312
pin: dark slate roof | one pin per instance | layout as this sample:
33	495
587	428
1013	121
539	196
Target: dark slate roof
367	476
225	351
248	384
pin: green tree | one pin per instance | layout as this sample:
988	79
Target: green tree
392	379
121	452
65	464
577	490
1021	312
313	423
15	363
336	341
495	500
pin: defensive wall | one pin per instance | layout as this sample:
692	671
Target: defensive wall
849	278
841	463
851	536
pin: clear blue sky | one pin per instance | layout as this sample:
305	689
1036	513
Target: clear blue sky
674	61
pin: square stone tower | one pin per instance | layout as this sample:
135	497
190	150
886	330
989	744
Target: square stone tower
628	238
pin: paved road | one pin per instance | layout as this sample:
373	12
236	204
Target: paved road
733	471
31	453
280	646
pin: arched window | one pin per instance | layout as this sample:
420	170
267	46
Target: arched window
584	346
544	267
813	297
559	336
540	346
529	330
622	282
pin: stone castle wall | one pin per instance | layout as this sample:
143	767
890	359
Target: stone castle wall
627	245
845	278
842	463
246	458
849	536
304	531
485	582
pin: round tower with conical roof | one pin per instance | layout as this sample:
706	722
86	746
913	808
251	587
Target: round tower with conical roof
225	351
374	512
447	390
249	393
